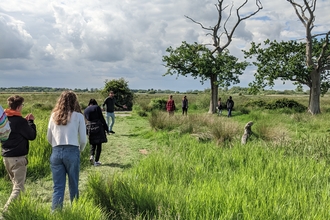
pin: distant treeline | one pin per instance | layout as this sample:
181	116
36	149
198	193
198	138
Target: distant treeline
41	89
232	90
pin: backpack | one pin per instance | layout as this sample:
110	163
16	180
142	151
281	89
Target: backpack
230	103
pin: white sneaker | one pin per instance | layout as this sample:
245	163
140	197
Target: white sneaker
97	163
91	159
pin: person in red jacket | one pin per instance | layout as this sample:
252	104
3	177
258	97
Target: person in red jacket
16	148
170	105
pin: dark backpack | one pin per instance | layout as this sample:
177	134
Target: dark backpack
230	103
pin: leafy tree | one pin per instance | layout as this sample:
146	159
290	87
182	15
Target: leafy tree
305	63
122	93
221	35
198	61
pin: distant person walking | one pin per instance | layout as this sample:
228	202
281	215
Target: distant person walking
184	105
219	107
97	135
67	135
230	105
170	105
110	103
16	148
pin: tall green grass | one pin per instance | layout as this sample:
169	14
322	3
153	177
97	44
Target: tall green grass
197	168
187	180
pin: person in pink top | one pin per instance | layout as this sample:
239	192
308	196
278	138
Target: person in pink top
170	105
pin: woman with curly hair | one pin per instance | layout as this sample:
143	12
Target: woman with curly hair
67	135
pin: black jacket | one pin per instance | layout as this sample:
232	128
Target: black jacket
110	103
93	113
18	142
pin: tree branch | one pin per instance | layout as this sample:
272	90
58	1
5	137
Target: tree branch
196	22
324	48
240	19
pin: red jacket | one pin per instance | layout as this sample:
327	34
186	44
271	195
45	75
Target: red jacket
170	106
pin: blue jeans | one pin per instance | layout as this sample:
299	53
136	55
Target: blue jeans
64	160
112	116
229	112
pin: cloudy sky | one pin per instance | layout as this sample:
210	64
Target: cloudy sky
80	44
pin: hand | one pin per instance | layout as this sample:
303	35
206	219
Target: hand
124	106
29	117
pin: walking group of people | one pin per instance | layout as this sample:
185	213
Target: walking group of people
67	132
170	106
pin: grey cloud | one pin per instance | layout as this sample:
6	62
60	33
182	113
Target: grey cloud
15	41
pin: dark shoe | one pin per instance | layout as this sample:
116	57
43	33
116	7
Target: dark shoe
111	132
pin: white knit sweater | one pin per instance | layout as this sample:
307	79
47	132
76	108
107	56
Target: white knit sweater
73	133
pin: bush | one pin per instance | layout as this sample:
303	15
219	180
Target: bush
139	111
286	103
278	104
157	104
256	103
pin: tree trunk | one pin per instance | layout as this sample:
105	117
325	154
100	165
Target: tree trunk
214	94
315	93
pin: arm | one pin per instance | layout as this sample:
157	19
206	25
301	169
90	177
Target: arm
82	133
120	106
28	129
49	131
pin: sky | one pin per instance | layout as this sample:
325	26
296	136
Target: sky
80	44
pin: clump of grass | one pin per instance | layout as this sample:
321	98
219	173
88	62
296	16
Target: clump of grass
42	106
225	131
204	127
26	207
270	132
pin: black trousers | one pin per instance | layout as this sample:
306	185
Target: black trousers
184	110
96	150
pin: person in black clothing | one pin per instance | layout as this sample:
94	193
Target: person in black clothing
93	114
219	107
16	148
184	105
110	103
230	105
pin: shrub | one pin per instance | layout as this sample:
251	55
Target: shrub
278	104
139	111
256	103
286	103
157	104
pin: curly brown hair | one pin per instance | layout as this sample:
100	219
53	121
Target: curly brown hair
66	104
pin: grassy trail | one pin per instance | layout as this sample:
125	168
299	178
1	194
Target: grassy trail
122	150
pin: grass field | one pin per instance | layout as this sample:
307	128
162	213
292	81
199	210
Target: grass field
194	167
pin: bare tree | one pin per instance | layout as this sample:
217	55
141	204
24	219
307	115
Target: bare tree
222	32
305	13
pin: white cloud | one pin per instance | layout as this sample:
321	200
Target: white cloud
79	44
